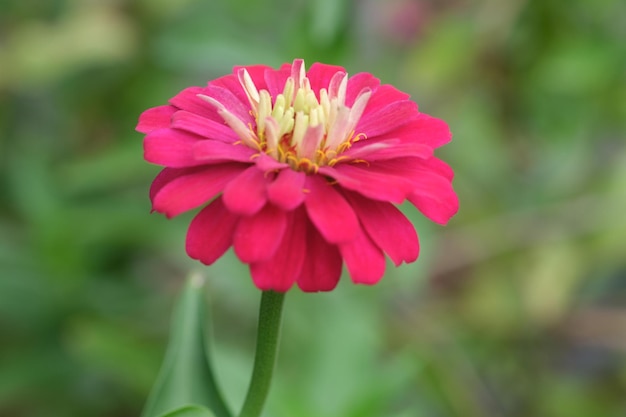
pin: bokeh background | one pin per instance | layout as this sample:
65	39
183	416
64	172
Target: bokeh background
516	308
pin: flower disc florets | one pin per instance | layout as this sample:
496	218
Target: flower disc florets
299	172
298	126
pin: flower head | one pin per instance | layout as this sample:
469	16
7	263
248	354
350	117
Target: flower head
300	170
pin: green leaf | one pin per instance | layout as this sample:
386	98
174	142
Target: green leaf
189	411
186	376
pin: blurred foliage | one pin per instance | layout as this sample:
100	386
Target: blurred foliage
516	308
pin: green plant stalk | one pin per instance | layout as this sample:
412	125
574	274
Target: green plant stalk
186	376
268	333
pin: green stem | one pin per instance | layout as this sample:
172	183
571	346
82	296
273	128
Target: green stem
270	315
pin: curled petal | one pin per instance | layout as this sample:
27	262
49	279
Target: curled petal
210	233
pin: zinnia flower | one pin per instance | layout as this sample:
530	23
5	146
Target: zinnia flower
300	170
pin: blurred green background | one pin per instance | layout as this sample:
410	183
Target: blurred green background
516	308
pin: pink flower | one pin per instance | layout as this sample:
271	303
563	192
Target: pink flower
300	170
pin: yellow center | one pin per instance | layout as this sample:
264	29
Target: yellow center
297	126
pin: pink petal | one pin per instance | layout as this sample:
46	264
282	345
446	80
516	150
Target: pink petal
212	151
298	73
375	184
257	237
435	197
285	67
275	81
231	83
170	147
188	100
257	73
166	175
201	126
248	86
370	150
339	129
356	111
266	163
287	190
383	119
388	228
383	96
364	260
357	83
432	131
386	180
311	141
242	130
329	211
281	271
422	129
338	85
320	75
246	194
155	118
210	233
322	266
439	167
190	190
231	102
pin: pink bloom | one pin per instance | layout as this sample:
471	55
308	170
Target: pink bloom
300	170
